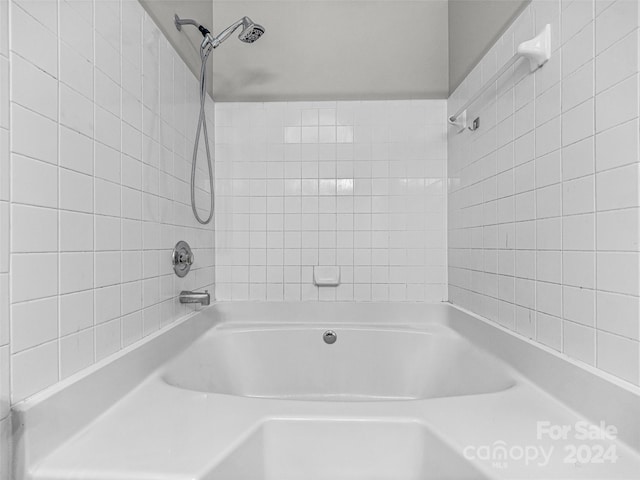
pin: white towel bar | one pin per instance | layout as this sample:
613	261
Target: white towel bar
537	50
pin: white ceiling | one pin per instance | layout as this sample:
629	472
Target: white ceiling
339	49
474	26
317	50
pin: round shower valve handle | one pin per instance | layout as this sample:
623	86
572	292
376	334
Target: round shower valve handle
182	258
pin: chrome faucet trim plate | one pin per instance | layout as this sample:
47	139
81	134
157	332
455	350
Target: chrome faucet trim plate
182	258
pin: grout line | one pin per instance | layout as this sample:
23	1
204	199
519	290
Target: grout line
9	91
57	164
595	191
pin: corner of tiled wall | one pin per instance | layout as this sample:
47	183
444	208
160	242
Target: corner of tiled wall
5	370
544	199
103	115
359	185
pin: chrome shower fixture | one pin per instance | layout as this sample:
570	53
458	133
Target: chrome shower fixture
249	34
250	31
207	41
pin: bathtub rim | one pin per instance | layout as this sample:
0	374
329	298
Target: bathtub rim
591	392
78	400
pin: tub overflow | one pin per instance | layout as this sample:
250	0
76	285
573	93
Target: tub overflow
330	337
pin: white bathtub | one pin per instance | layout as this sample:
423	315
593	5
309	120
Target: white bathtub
252	392
366	363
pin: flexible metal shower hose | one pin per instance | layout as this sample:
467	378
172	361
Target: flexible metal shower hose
202	126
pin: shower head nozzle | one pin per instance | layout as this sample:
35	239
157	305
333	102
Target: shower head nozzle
250	31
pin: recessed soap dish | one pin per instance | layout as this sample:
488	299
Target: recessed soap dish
326	276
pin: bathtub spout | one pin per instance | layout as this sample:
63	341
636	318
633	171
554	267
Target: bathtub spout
203	298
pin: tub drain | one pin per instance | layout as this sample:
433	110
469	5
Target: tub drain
330	337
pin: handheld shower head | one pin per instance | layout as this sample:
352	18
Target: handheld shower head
250	31
249	34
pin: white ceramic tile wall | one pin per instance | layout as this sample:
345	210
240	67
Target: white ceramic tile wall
5	380
543	198
103	116
354	184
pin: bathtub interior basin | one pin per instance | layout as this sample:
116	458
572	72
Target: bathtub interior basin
343	450
366	363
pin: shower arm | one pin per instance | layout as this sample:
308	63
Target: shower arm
189	21
214	42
